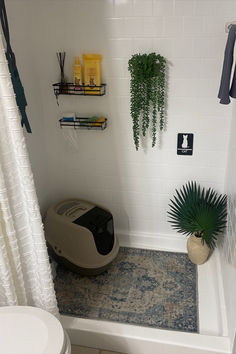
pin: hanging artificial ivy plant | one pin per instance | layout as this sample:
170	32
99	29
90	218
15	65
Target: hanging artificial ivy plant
147	89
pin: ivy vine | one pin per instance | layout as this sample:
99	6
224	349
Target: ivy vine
147	90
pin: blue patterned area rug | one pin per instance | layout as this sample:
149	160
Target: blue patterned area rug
141	287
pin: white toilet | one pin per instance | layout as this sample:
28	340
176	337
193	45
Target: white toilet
30	330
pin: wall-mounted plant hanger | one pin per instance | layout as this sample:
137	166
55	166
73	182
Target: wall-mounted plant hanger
147	90
84	123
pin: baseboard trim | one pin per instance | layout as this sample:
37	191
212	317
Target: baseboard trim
220	286
131	339
163	242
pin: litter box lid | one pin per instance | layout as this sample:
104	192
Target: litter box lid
29	330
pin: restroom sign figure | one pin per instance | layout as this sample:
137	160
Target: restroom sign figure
185	144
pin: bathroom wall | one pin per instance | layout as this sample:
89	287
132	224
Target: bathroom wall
103	166
228	251
21	22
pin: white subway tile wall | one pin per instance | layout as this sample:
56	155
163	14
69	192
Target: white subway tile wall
104	166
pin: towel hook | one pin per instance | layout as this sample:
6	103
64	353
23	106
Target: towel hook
228	25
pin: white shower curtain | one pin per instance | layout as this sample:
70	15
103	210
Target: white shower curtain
25	276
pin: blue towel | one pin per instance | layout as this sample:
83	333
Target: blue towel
225	91
15	78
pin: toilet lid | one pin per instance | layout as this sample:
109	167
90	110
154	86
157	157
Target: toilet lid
29	330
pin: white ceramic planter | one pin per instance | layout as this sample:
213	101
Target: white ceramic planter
197	252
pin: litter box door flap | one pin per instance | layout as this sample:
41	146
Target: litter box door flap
100	223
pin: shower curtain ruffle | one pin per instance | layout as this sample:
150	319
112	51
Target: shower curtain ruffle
25	275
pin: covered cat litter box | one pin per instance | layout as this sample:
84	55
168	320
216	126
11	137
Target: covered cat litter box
81	235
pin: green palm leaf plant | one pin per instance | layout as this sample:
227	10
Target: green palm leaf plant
198	211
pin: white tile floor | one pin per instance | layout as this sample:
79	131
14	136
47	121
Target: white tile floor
76	349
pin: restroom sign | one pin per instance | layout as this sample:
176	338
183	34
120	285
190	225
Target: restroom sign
185	144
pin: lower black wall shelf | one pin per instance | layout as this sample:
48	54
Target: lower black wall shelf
84	123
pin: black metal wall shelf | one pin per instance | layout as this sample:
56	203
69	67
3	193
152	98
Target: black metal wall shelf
82	123
83	90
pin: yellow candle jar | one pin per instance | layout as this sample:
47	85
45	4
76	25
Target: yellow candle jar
92	73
